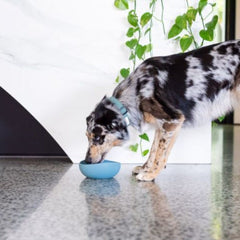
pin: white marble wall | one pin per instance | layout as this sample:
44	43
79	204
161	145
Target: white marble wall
58	58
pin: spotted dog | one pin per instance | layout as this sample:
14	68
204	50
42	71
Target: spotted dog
169	92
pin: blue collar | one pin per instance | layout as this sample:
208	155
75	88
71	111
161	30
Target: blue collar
121	108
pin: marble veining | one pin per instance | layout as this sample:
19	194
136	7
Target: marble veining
50	199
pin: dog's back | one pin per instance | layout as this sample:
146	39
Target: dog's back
202	84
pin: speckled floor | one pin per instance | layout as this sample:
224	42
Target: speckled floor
50	199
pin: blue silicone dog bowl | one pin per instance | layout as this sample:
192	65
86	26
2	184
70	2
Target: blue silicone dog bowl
103	170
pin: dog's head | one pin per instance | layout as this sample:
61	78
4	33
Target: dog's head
106	128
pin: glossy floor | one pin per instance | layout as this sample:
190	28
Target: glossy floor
50	199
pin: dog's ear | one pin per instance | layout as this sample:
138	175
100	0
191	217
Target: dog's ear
90	118
104	98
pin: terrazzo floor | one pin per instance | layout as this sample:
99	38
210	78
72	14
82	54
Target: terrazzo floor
49	199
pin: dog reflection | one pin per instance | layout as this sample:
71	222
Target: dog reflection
139	210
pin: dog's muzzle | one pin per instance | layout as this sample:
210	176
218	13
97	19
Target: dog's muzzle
90	160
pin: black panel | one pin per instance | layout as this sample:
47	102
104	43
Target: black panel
21	134
230	19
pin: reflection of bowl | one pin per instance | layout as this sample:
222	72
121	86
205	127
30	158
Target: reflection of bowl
100	187
105	169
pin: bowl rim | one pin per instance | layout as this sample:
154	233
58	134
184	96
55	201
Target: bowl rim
105	161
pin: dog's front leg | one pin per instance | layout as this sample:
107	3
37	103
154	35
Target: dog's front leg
152	154
147	165
165	136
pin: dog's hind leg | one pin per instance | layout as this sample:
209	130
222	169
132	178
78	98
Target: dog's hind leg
164	140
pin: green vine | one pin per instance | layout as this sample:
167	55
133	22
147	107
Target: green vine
140	29
134	148
182	28
162	20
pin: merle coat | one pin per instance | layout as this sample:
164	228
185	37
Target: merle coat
185	89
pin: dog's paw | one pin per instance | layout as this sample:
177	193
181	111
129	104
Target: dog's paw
137	170
144	176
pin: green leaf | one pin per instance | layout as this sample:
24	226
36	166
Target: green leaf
220	119
206	34
132	43
132	18
117	79
212	24
149	47
191	15
125	72
202	4
134	148
121	4
185	42
145	18
132	56
147	31
140	50
181	21
144	136
151	3
174	31
130	32
145	152
213	4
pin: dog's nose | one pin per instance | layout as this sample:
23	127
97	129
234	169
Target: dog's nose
88	158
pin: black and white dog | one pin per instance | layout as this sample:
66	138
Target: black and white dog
169	92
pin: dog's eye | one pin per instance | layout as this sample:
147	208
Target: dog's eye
97	138
112	126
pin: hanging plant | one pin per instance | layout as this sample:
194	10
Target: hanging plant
141	28
182	28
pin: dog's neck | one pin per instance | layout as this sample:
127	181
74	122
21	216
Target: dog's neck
123	110
134	117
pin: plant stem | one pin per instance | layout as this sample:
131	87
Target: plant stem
203	24
159	20
194	41
140	145
135	55
151	24
134	59
187	3
209	14
162	12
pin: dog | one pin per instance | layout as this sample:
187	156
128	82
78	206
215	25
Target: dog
169	92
